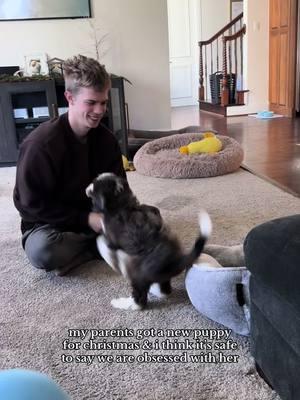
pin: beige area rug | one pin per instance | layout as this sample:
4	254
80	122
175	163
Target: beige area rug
38	310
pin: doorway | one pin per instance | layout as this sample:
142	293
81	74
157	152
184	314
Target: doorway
282	56
190	21
183	24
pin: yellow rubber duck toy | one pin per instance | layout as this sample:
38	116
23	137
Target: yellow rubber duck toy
127	165
209	144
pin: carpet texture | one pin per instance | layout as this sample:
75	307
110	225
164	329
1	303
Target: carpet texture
161	158
38	309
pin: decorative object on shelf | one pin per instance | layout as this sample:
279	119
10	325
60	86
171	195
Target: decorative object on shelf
19	73
99	44
55	67
21	113
97	40
36	64
40	112
19	78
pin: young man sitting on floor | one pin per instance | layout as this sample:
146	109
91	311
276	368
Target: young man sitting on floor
57	161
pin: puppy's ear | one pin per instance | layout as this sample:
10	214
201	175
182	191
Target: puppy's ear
90	190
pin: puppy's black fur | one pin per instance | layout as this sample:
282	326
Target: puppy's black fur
140	246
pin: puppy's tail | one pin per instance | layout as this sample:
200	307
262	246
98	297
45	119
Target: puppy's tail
205	225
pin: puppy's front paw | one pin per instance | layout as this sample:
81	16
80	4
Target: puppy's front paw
125	303
155	290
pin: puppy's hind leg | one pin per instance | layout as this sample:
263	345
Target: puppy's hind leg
138	301
140	293
166	287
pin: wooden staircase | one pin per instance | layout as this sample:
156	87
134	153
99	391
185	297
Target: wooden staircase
221	68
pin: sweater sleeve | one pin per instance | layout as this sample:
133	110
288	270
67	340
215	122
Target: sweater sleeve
36	191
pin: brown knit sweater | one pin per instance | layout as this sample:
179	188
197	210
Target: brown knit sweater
53	170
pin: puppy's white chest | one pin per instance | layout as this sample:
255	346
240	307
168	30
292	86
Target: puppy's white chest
118	260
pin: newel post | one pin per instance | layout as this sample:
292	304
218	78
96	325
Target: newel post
201	80
225	90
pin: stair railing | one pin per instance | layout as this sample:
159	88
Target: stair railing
227	74
221	65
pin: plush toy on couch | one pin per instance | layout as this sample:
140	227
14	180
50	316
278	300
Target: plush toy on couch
209	144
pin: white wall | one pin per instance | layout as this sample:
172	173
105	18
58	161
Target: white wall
214	15
256	57
136	47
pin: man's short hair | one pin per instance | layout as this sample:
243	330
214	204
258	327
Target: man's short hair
80	71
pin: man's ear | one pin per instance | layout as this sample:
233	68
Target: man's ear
69	97
90	190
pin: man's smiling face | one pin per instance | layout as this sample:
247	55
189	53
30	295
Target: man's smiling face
86	108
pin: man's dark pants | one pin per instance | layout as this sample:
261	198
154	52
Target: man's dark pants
51	249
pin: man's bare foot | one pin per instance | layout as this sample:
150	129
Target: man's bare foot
227	256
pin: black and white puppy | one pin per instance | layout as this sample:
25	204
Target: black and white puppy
135	241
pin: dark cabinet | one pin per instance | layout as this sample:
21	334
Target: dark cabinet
22	96
116	111
21	112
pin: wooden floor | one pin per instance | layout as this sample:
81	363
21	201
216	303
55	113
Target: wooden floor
272	147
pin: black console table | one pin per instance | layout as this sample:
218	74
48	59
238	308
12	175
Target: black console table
117	119
46	93
21	95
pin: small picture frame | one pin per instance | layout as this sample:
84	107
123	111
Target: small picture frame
36	64
55	66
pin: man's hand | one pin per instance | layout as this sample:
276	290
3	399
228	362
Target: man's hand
95	221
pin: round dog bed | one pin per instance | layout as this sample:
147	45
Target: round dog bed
161	158
137	138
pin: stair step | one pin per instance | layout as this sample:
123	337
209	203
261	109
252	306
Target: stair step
216	108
